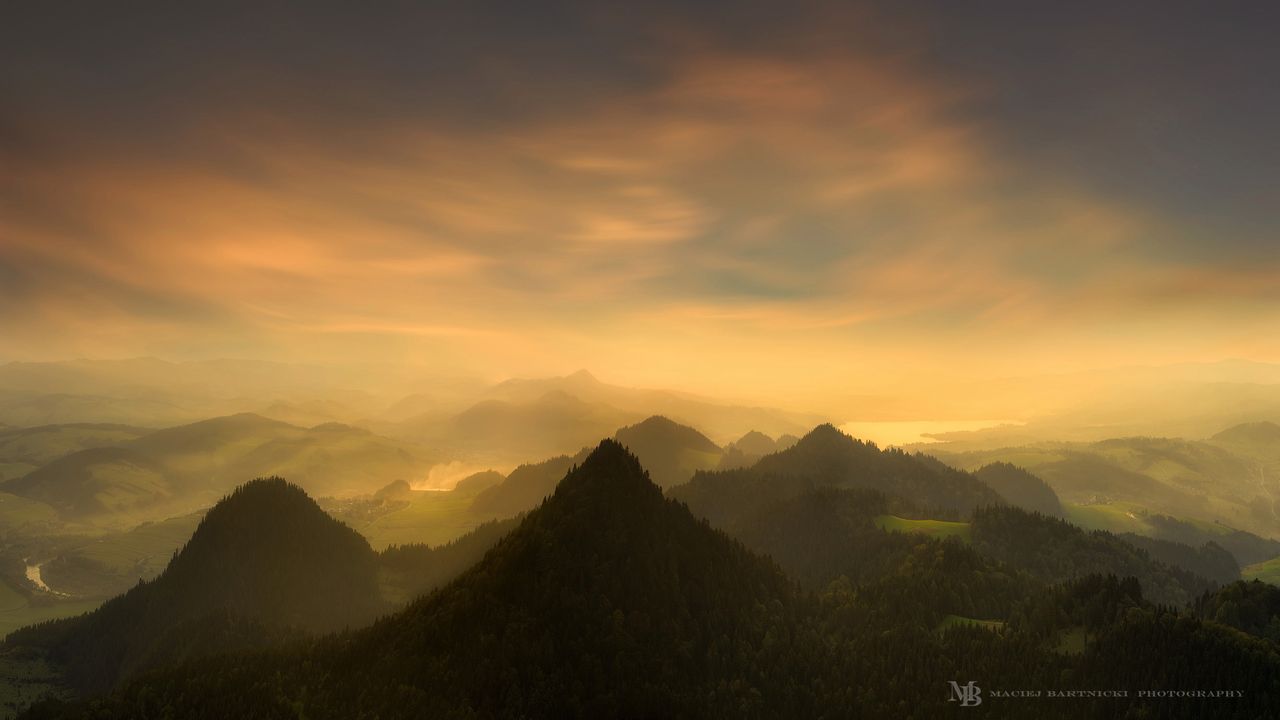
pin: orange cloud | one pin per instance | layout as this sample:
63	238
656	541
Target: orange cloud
785	224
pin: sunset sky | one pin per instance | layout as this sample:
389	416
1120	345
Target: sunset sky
768	200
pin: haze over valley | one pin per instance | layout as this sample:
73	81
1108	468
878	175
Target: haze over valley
677	359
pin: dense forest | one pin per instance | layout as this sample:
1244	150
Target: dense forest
611	600
265	563
827	457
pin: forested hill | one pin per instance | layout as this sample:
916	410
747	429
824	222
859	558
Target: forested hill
671	452
610	600
827	457
264	563
1021	488
1054	550
608	587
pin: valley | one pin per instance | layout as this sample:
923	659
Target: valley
110	519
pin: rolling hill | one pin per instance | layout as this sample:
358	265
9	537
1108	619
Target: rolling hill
671	452
25	449
1197	480
748	449
264	562
827	457
1020	488
184	468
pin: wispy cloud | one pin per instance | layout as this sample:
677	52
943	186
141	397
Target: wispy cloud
784	211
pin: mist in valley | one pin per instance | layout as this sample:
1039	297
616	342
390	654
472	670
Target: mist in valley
667	360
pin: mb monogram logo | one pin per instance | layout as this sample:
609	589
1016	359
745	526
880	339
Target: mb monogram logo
969	694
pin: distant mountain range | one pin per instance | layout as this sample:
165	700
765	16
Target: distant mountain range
505	424
141	474
520	419
1232	477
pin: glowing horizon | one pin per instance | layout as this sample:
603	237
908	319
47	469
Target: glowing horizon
785	221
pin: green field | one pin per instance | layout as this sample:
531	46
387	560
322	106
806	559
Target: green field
956	620
432	518
10	600
21	513
932	528
1071	642
1113	517
1122	517
146	548
23	613
1268	571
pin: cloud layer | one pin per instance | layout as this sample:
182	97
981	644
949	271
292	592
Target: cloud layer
692	203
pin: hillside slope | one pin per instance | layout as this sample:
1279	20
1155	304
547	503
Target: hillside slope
264	562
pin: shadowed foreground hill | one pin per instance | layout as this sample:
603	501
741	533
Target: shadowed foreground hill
669	451
264	562
610	600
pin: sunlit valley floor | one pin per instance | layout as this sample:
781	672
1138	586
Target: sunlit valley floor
707	560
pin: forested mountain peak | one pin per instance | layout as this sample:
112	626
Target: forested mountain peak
1020	487
609	473
658	428
262	519
606	568
266	560
824	436
828	457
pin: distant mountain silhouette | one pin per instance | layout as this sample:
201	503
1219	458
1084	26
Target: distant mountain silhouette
748	449
183	468
1264	432
37	446
670	451
524	487
89	481
1221	480
264	562
479	482
716	416
756	443
552	423
827	457
1020	488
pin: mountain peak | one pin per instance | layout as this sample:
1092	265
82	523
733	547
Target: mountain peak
263	527
825	434
582	376
755	443
659	428
263	559
609	470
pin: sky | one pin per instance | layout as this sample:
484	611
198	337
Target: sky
782	201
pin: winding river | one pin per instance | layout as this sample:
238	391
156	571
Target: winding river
33	574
